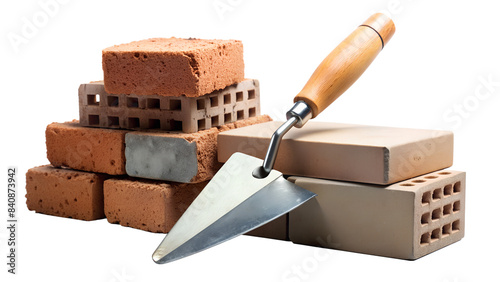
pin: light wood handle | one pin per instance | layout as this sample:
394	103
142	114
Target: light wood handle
345	64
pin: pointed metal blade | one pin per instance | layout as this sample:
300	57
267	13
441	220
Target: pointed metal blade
233	203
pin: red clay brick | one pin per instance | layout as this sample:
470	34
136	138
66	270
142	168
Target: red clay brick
148	205
179	157
65	192
88	149
172	66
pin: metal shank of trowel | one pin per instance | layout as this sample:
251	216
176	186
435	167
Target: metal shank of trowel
297	116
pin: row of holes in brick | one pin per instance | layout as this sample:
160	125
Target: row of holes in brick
174	104
439	193
438	213
439	233
420	180
174	125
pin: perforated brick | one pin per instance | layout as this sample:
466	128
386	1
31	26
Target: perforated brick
404	220
100	109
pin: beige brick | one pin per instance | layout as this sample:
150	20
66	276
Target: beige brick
276	229
360	153
172	66
187	114
405	220
88	149
148	205
65	192
179	157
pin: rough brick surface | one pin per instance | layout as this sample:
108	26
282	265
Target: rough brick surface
65	192
348	152
180	157
147	205
404	220
172	66
186	114
88	149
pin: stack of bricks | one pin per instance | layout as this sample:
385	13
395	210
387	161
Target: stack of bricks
169	113
146	141
380	190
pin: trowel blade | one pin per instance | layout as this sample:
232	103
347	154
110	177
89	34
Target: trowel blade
233	203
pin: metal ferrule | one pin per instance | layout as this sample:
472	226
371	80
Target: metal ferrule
300	110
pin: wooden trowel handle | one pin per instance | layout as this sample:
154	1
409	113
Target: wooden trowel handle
345	64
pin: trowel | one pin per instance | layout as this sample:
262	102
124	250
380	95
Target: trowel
247	192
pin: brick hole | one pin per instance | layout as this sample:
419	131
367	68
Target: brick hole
425	219
227	118
426	198
444	173
132	102
136	54
175	105
446	230
214	120
134	122
239	96
448	189
455	226
112	101
456	206
153	103
154	124
201	124
418	181
251	94
425	239
93	119
214	101
447	210
457	187
407	184
227	99
240	115
436	214
200	104
431	177
435	234
175	125
113	121
252	112
93	100
437	194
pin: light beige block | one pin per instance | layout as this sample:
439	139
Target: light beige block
359	153
405	220
276	229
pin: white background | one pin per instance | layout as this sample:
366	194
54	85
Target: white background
429	76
